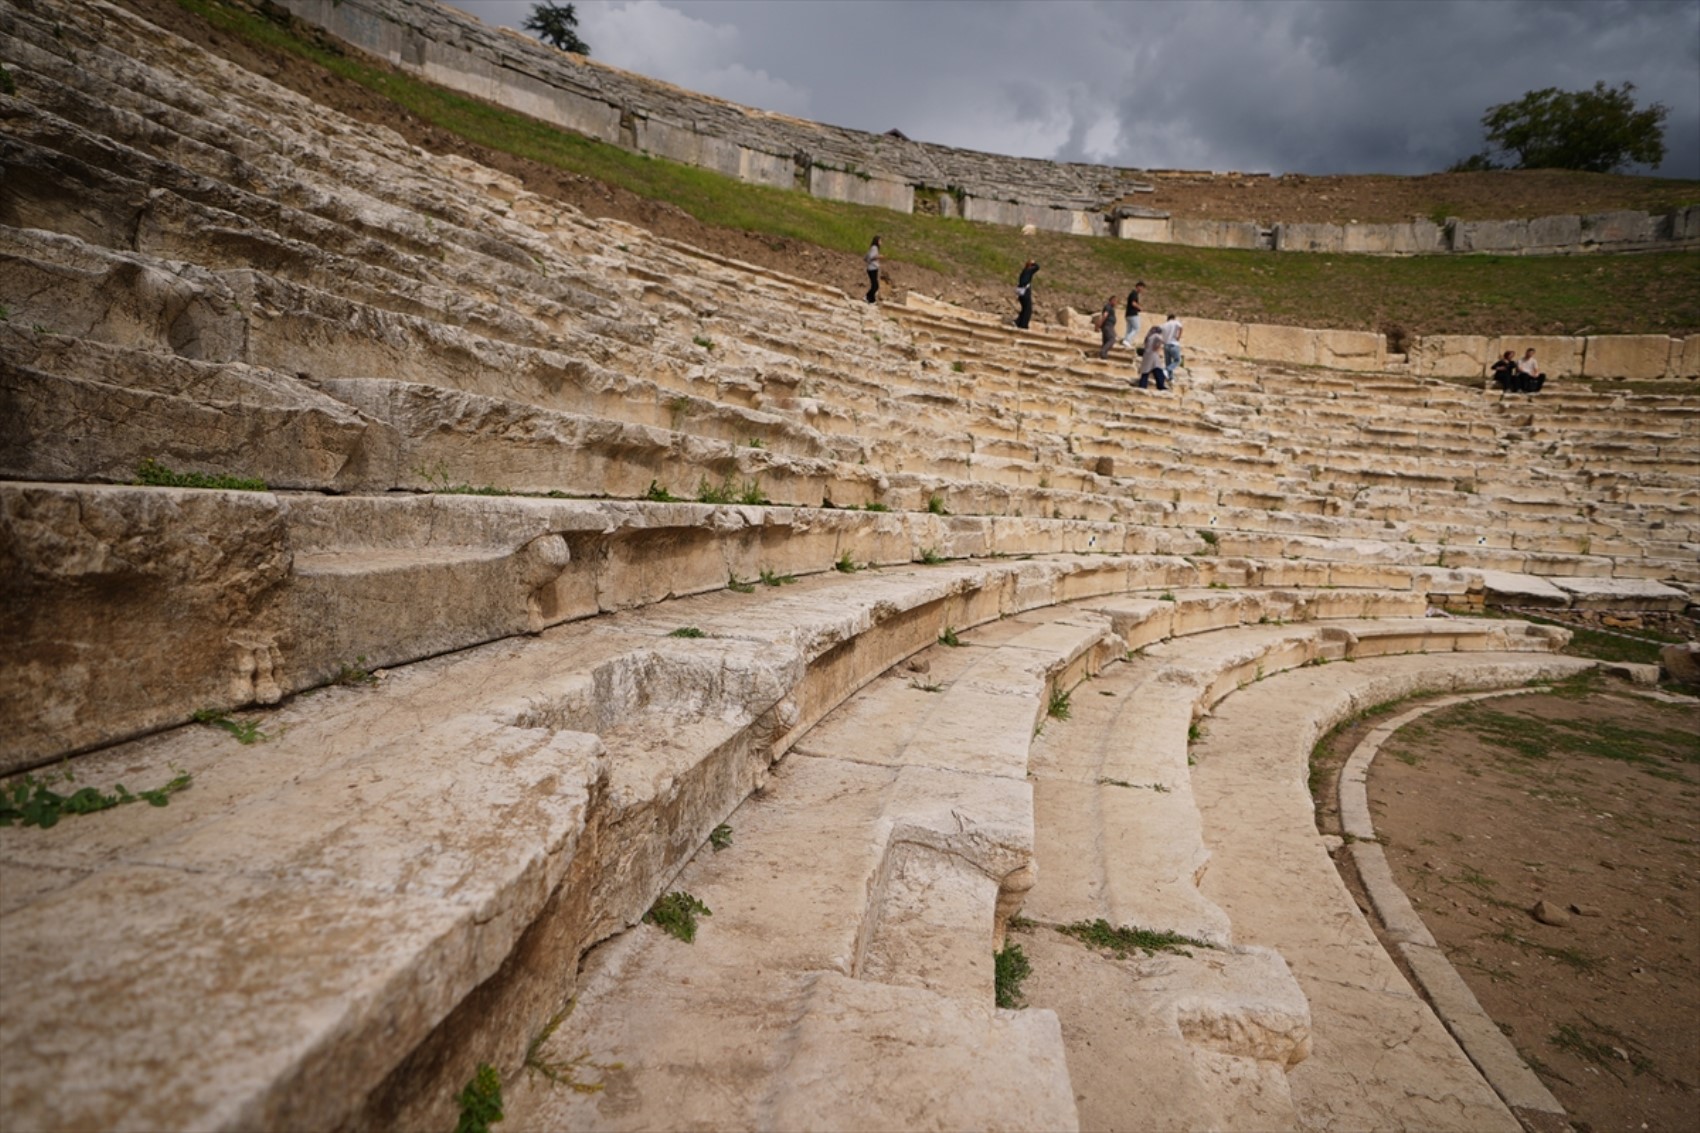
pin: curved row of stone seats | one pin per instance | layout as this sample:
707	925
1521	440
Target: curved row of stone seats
609	748
462	832
1379	1057
862	984
1121	838
820	1034
1345	477
259	594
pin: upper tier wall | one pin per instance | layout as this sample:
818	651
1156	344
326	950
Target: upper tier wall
454	50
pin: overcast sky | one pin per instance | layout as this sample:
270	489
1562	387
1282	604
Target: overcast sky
1302	86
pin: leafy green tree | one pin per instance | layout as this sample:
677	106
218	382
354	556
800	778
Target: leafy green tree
556	24
1597	130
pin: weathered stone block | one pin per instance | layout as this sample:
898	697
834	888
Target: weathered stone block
863	189
124	605
1636	357
1216	335
1293	345
1452	355
1351	350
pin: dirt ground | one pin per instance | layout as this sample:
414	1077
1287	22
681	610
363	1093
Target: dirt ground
1588	800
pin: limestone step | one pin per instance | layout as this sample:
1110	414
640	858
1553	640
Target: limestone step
918	839
1379	1057
611	736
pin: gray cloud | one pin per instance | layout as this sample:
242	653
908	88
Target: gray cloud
1316	86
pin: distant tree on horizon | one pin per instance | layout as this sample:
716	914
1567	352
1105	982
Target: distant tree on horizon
1596	131
556	25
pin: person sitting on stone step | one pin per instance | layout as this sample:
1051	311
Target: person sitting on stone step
1504	372
1529	376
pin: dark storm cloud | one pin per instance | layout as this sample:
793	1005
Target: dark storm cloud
1389	86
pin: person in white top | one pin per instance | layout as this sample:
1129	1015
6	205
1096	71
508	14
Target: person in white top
1172	344
873	261
1529	376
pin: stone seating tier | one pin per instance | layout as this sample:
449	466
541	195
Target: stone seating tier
611	342
611	749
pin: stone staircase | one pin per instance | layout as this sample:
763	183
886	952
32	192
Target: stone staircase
511	672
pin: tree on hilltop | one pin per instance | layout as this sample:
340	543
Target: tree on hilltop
556	25
1596	131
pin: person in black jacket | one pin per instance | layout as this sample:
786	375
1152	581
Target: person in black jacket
1505	372
1024	291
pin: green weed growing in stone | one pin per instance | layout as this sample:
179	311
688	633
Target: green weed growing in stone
687	631
480	1101
33	802
874	505
705	343
1121	941
734	583
564	1073
846	564
931	557
355	674
935	505
751	494
1058	708
156	475
956	367
769	578
8	85
676	914
1165	596
948	637
721	493
1209	537
660	495
245	731
720	837
1010	969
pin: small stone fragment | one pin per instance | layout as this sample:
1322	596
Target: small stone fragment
1548	913
1586	910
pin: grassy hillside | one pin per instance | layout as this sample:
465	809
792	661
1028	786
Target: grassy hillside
975	263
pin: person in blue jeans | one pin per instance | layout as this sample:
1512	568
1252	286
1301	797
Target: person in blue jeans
1172	343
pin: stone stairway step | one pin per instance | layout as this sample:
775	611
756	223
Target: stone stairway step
919	848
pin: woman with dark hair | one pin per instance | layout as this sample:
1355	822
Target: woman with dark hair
1024	292
873	261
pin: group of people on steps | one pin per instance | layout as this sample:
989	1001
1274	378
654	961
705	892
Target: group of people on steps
1159	354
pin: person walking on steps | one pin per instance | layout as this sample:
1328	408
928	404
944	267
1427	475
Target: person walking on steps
1151	363
1024	292
873	262
1106	324
1172	344
1132	312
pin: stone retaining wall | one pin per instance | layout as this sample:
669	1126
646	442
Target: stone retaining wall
1637	357
456	51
